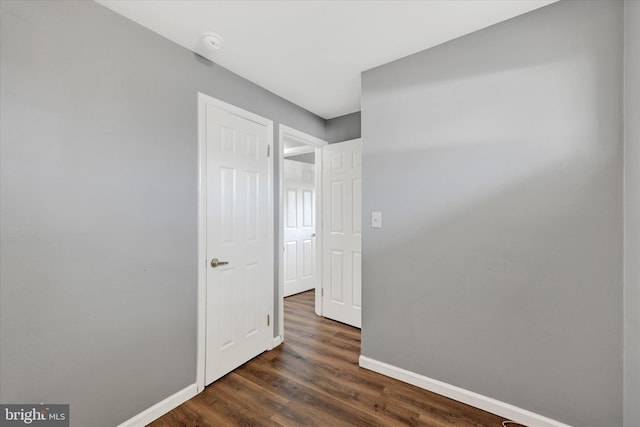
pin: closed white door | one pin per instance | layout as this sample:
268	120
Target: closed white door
342	232
299	227
239	237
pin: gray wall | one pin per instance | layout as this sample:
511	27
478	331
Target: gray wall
98	195
632	216
343	128
496	160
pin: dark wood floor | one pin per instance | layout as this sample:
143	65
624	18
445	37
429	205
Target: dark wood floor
313	379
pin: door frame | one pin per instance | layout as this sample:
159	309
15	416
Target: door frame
317	144
201	260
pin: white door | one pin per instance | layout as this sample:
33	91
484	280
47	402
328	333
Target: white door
239	235
342	232
299	227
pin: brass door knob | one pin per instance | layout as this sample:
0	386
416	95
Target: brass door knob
216	262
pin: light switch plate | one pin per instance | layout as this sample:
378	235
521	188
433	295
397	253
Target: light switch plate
376	219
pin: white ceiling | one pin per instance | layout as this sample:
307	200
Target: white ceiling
312	52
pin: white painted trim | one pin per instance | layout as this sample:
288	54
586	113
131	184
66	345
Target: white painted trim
276	342
319	222
303	149
159	409
485	403
348	140
271	231
280	246
317	144
201	262
204	100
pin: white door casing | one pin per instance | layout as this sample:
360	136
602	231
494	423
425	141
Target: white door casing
342	232
299	227
236	224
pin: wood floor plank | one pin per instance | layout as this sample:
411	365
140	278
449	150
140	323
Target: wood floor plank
307	396
313	379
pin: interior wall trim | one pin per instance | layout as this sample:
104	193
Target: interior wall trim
276	342
159	409
485	403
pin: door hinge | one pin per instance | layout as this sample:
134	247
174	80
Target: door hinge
268	151
321	292
268	320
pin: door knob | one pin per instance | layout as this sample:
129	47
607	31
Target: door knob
215	262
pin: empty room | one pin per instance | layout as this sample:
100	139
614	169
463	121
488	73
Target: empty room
320	213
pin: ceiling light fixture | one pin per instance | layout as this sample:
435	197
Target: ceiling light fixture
211	41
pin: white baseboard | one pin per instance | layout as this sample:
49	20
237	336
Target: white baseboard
485	403
161	408
276	342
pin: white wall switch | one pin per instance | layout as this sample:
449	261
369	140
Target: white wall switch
376	219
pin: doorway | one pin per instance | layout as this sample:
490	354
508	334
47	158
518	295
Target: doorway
299	241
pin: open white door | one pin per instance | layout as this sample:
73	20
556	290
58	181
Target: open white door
342	232
238	257
299	227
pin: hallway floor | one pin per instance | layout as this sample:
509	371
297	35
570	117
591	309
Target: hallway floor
313	379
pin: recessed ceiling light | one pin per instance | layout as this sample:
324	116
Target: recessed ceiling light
211	41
